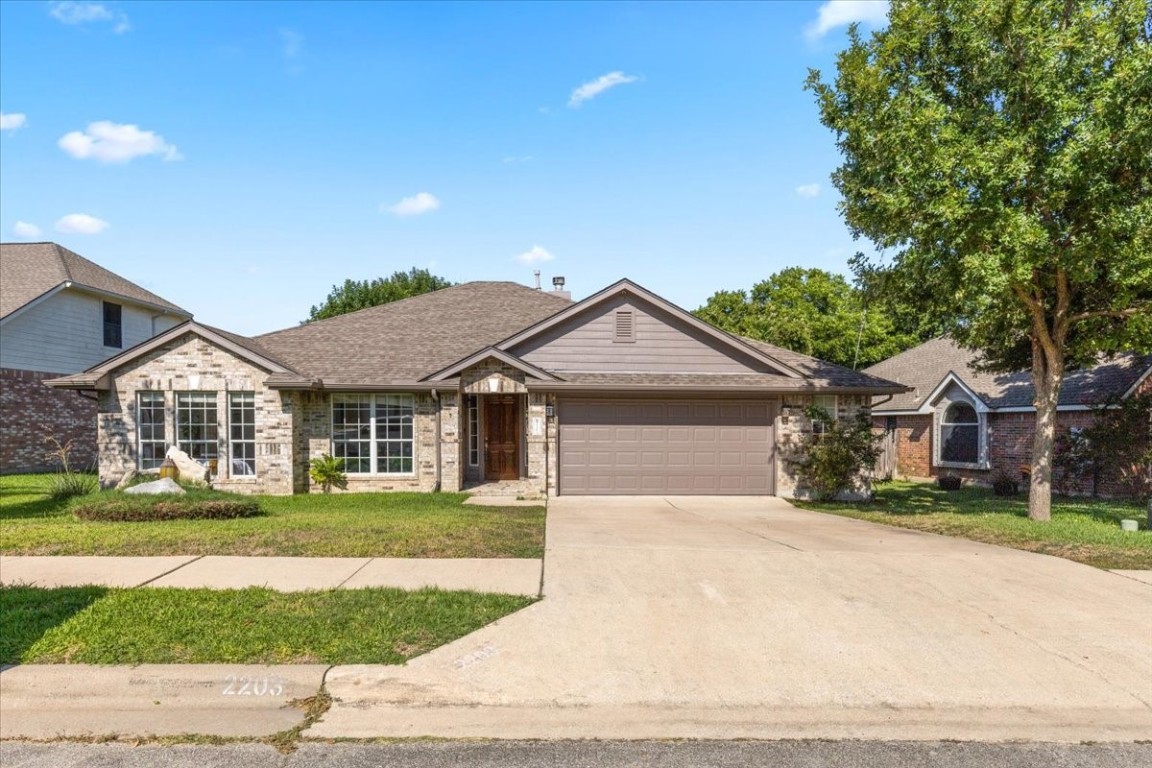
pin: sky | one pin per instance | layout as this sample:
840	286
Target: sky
240	159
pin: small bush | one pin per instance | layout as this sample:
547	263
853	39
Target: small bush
1003	484
834	461
125	508
70	484
949	482
328	471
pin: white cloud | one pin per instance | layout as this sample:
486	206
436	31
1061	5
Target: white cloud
535	255
109	142
596	87
25	230
69	12
808	190
12	121
291	43
81	224
421	202
841	13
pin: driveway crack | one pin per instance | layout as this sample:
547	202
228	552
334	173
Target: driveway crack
734	527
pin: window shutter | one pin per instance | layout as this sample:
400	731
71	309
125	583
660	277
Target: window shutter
625	326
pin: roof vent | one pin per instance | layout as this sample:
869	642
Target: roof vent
625	326
558	288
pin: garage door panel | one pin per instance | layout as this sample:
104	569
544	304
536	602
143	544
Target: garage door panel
621	446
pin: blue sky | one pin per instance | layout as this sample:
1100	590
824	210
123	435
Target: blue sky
241	158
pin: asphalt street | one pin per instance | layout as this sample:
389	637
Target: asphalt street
584	754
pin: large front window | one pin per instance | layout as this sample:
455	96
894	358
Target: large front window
150	429
374	434
960	435
197	430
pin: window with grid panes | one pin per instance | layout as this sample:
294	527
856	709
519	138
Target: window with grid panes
150	429
198	425
242	433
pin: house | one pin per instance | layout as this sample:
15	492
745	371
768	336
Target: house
485	382
960	421
59	314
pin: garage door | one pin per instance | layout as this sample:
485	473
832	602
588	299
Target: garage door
660	446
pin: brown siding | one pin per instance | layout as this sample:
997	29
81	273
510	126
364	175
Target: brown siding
664	344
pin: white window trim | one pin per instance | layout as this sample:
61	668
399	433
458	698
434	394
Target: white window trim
373	440
163	423
231	442
981	432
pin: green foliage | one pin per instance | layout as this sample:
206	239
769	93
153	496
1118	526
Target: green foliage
834	459
1119	444
67	485
328	471
355	295
138	508
1001	152
814	312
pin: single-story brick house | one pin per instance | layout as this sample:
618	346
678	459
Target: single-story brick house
485	382
960	421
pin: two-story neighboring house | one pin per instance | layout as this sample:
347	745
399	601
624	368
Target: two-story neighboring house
59	314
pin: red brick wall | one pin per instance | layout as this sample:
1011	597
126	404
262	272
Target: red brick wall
30	411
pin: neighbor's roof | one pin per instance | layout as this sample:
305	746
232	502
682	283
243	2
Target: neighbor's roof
925	366
29	270
826	374
400	342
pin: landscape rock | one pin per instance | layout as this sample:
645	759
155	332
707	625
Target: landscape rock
191	471
127	479
163	485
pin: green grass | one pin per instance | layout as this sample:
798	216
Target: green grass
1081	529
337	525
90	625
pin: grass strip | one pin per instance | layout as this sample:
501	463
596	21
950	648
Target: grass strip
1082	529
243	626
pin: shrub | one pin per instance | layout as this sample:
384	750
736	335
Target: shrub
125	508
1003	484
949	482
67	485
834	460
327	471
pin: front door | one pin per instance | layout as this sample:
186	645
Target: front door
501	438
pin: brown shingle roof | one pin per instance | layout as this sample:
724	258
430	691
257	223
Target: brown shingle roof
29	270
401	342
825	374
925	366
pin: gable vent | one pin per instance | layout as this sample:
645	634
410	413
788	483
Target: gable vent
625	325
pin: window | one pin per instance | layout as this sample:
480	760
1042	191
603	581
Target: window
374	433
242	433
828	404
625	326
197	430
960	435
113	325
473	431
150	429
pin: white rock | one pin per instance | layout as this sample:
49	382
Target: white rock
163	485
191	471
129	476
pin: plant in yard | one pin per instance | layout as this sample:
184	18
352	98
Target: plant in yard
833	461
1003	484
1119	442
328	471
67	482
949	482
1073	464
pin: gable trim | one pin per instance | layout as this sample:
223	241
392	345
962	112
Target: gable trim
951	378
489	352
626	286
1136	384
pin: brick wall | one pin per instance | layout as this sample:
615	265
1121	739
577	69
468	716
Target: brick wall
792	428
30	412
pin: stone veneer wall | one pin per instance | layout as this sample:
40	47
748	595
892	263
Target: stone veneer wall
792	426
192	364
31	412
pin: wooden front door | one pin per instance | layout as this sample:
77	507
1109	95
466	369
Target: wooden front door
501	438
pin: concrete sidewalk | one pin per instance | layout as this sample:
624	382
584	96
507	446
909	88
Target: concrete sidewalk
286	574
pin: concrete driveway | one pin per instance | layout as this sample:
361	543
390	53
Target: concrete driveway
746	617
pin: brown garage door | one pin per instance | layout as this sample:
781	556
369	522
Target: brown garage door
641	447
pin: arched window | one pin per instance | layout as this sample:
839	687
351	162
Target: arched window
960	435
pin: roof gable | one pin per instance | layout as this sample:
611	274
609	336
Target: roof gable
29	271
489	353
580	338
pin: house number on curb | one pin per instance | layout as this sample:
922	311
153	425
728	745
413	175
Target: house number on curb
252	686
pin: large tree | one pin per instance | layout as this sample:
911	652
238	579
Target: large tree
810	311
354	295
999	153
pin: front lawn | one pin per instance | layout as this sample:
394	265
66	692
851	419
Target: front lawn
1081	529
337	525
93	625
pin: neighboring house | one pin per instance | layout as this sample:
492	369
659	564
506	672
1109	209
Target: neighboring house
957	420
486	382
59	314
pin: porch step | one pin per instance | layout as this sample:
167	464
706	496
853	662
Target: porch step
503	501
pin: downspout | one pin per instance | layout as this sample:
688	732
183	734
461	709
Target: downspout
436	399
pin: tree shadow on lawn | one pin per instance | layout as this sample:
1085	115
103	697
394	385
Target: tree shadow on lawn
22	498
924	499
27	613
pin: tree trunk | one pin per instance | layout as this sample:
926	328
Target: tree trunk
1047	376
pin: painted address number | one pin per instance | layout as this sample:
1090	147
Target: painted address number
252	686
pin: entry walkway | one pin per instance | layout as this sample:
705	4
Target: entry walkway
286	574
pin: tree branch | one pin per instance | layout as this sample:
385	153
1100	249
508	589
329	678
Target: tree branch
1118	313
